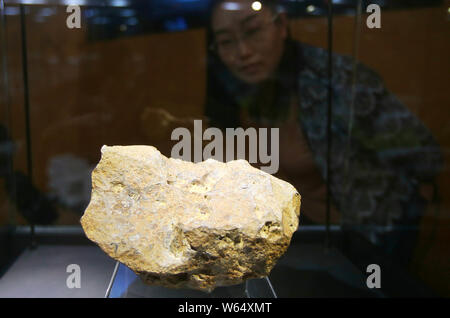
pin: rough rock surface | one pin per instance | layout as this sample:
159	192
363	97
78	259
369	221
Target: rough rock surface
189	225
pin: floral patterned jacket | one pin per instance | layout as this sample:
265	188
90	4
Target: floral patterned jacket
380	151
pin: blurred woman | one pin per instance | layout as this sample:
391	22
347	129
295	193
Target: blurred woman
258	76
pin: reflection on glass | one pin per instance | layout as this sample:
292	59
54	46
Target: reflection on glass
258	76
131	75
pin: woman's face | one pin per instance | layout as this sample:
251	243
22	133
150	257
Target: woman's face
249	42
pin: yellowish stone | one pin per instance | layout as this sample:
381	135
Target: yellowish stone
189	225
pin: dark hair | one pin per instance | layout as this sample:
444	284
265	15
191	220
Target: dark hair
224	89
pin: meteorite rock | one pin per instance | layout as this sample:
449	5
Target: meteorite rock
189	225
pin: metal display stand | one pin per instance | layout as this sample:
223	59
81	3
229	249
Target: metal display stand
126	284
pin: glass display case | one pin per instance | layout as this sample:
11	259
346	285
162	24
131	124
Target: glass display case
356	90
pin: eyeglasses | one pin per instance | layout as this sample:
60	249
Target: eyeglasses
251	35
